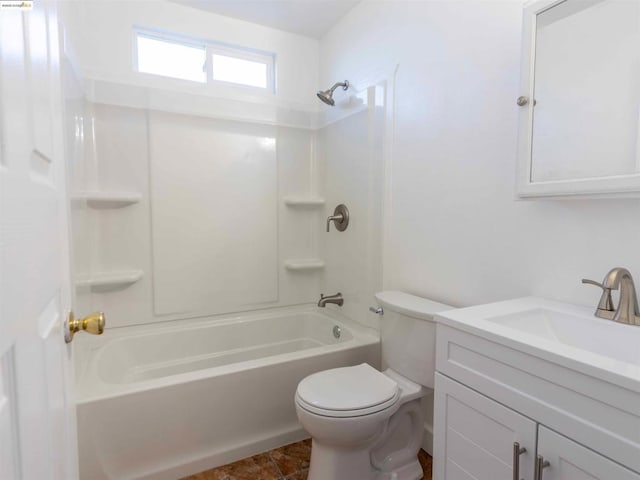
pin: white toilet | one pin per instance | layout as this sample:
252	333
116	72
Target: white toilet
368	425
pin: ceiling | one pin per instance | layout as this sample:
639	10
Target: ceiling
311	18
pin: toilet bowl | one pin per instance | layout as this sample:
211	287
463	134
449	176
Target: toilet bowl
366	424
349	440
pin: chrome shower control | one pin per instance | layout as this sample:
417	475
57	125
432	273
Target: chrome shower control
340	218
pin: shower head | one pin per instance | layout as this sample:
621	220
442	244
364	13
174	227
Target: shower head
327	95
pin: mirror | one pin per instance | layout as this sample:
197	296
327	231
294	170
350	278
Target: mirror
581	65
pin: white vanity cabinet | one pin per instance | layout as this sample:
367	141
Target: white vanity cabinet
476	438
569	460
493	391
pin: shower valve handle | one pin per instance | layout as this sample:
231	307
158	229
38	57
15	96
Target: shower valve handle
334	218
340	218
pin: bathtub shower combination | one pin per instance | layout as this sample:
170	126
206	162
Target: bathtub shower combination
199	229
188	395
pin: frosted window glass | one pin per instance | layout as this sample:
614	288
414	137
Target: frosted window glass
237	70
171	59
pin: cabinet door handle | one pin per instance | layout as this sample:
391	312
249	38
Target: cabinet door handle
517	451
541	464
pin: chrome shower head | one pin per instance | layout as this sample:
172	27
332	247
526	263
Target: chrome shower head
327	95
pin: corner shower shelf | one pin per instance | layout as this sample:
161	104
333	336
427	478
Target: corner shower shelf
110	280
105	200
303	201
304	264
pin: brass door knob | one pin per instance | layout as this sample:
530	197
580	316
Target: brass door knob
93	324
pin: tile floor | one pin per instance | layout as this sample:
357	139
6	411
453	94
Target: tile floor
290	462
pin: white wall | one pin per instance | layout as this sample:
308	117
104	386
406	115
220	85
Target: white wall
456	232
101	31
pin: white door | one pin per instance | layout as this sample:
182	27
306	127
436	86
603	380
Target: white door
571	461
475	437
37	413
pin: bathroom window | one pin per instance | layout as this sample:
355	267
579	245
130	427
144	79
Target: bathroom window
252	71
171	59
185	58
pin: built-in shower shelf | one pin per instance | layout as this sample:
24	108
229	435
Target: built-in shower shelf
304	264
109	280
303	201
109	199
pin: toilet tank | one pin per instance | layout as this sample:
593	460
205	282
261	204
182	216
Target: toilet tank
408	335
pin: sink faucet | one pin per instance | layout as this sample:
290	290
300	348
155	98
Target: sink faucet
337	299
627	311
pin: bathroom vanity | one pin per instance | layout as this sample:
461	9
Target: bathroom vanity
533	389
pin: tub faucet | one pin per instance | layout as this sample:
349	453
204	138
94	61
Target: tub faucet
627	311
337	299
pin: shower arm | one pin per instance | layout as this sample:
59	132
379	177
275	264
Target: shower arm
344	85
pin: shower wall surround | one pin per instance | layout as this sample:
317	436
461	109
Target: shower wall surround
352	150
82	235
211	231
214	228
200	200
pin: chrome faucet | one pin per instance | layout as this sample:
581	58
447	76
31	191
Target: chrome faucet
337	299
627	311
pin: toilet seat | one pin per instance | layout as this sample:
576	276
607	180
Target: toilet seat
347	392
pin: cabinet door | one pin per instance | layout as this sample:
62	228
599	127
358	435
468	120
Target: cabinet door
474	436
571	461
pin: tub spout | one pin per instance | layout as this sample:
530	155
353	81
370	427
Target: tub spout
337	299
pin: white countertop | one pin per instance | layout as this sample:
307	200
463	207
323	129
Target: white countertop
606	349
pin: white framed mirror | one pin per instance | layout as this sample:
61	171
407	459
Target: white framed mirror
579	119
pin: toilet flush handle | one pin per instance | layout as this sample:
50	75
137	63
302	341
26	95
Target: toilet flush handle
377	310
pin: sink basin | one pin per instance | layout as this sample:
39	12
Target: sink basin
585	332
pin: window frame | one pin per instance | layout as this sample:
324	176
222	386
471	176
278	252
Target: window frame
210	48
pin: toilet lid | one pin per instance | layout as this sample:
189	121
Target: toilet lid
348	389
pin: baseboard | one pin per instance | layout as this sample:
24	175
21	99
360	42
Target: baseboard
427	439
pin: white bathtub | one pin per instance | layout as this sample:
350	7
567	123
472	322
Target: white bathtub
168	400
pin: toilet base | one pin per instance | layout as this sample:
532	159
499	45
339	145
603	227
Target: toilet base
330	463
411	471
